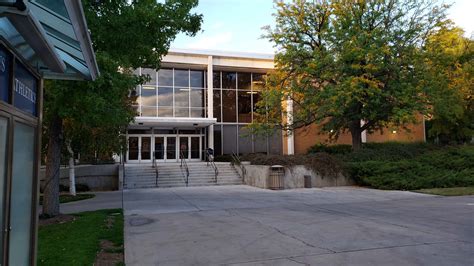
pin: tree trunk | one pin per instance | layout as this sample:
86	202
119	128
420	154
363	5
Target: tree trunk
72	173
53	164
356	133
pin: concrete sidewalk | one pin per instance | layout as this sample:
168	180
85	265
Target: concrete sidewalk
225	225
102	200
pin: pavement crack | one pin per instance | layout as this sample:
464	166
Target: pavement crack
280	232
187	201
302	263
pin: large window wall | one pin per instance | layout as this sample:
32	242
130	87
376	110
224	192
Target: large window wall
235	97
172	93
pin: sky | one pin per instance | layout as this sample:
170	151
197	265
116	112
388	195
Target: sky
236	25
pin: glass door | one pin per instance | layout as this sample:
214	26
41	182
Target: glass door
191	147
184	147
159	148
145	150
133	148
170	148
195	147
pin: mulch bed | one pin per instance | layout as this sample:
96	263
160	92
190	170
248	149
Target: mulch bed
60	219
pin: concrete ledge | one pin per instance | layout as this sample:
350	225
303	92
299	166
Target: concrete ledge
96	177
257	176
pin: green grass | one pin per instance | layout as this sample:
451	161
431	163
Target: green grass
453	191
64	198
77	242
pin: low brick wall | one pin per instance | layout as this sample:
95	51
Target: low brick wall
257	176
96	177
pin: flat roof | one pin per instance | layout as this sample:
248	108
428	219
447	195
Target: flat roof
220	53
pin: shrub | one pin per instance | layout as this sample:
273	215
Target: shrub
331	149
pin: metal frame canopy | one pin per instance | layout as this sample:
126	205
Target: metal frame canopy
51	36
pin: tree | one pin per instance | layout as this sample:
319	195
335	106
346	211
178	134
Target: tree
342	63
450	65
125	36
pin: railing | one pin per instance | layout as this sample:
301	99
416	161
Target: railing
210	161
154	165
236	161
183	162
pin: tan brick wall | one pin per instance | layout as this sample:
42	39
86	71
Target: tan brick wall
309	136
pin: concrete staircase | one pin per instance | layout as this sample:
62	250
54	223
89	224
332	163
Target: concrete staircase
172	175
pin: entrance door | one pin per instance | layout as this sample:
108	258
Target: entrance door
190	146
139	149
159	148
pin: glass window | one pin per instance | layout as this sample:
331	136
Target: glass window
244	82
256	96
197	78
165	96
260	144
181	97
151	74
149	111
165	77
181	112
3	172
22	193
216	83
229	80
228	106
181	78
230	139
258	81
133	148
245	141
148	97
217	104
217	140
245	107
197	112
197	98
165	111
275	143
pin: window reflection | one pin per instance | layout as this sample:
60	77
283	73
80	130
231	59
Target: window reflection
197	79
148	95
245	107
150	74
181	97
181	78
228	105
258	81
244	81
229	80
165	96
217	104
165	77
197	98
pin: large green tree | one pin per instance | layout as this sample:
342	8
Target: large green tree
125	36
343	62
450	65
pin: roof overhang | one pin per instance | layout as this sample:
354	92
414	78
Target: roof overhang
51	36
174	122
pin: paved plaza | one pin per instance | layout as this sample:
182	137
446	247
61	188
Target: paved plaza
241	225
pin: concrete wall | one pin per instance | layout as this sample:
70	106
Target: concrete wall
96	177
257	176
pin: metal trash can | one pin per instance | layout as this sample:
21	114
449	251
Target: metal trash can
307	181
275	178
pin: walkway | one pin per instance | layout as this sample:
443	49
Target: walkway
249	226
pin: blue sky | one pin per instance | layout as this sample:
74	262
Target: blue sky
235	25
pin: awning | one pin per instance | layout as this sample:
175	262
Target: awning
51	35
174	122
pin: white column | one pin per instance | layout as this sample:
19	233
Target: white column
289	120
364	133
210	102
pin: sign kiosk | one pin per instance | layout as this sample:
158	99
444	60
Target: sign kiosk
38	40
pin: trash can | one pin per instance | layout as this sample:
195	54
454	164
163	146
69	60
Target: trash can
275	178
307	181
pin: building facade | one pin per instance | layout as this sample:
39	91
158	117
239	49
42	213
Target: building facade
205	99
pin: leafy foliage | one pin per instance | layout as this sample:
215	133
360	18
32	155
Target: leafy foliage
343	62
450	65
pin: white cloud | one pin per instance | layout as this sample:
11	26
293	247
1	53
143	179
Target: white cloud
212	41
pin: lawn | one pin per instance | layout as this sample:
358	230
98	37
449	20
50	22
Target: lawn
79	241
65	198
453	191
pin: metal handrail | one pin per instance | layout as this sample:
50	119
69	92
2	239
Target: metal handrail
154	165
210	160
183	162
236	161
